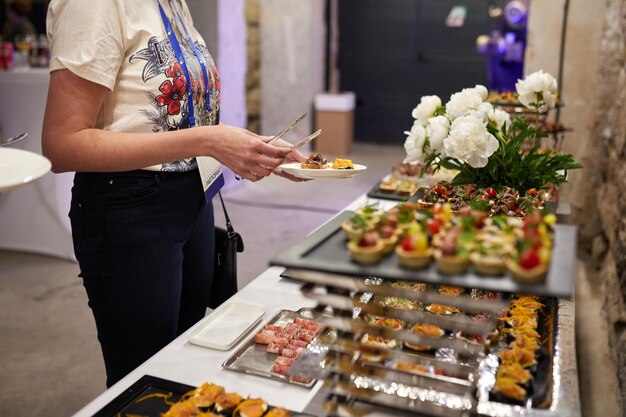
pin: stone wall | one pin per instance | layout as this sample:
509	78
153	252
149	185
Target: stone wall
601	218
253	76
292	63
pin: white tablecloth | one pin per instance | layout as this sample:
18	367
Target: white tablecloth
33	218
186	363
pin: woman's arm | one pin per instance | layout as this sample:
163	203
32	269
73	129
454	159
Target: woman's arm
72	143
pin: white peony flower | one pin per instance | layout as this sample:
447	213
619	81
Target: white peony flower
465	101
481	112
499	118
414	144
470	142
539	88
426	109
437	130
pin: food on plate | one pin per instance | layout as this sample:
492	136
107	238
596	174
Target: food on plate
251	408
414	251
227	401
314	161
424	330
368	249
451	290
342	164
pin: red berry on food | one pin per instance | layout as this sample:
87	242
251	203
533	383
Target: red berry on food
529	259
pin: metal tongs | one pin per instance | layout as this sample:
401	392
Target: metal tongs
306	140
288	128
291	126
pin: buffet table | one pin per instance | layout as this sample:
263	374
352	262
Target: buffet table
186	363
33	218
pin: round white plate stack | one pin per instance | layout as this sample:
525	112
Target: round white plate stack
19	167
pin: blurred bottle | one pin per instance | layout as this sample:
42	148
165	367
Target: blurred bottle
40	52
6	56
23	44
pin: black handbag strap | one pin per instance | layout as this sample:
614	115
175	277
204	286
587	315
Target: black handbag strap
229	226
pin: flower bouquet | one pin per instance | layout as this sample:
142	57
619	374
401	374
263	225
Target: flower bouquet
488	149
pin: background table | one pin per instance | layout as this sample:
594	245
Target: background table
33	218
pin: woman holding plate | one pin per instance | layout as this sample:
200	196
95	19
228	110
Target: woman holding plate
133	108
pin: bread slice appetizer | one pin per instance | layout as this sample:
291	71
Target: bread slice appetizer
251	408
314	161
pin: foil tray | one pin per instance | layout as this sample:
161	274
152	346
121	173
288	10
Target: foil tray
252	358
564	401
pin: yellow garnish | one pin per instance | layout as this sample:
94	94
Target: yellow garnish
343	164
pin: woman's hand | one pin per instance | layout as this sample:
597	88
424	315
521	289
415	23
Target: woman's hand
294	156
246	153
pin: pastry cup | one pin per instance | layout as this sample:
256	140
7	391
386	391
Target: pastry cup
373	216
534	275
389	243
451	264
424	205
412	259
488	265
366	255
352	232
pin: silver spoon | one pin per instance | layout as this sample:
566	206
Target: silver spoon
13	140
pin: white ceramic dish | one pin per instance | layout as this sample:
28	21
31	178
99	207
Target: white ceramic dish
225	326
295	170
19	167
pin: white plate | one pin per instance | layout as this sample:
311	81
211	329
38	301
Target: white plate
295	170
19	167
226	325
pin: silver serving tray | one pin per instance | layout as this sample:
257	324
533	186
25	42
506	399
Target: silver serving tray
253	359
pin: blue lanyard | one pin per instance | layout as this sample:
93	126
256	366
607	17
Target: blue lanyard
183	63
205	74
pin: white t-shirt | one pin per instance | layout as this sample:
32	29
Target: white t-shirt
122	45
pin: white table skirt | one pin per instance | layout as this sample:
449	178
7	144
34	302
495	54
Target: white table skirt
33	218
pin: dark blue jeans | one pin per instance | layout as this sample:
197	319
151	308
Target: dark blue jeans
145	244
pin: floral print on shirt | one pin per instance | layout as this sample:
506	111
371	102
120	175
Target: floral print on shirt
168	109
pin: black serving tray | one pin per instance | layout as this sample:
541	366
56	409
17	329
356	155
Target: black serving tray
145	398
375	192
130	401
325	251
